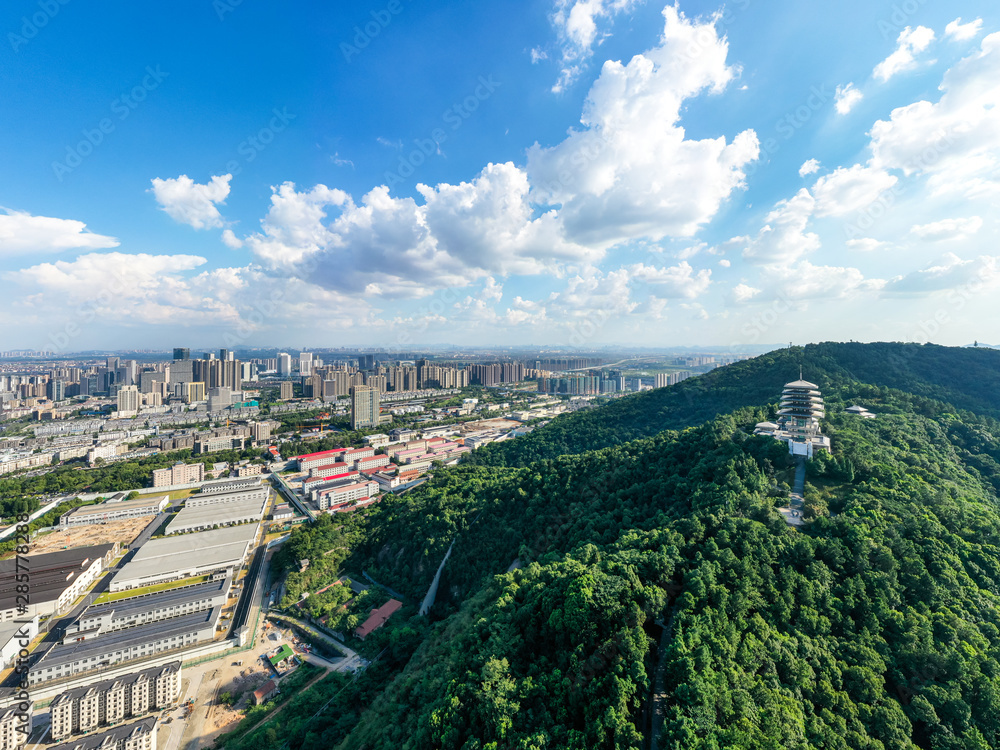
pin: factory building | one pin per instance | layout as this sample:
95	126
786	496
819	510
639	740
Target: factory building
215	552
57	579
139	610
93	655
107	512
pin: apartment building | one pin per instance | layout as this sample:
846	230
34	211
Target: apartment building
111	701
15	718
179	473
336	497
140	735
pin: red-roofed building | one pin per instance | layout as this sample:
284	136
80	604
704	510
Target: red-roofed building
386	482
332	498
355	453
409	476
371	462
265	692
329	470
377	618
312	487
310	460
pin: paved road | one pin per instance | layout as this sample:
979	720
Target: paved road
793	513
660	696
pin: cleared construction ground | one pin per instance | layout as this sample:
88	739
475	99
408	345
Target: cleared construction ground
85	536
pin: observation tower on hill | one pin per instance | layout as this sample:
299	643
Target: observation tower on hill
798	419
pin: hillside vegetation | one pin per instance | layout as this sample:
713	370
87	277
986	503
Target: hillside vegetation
968	379
578	582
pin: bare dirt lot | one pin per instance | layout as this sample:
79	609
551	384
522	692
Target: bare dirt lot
85	536
206	682
487	424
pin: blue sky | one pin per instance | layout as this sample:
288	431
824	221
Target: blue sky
565	173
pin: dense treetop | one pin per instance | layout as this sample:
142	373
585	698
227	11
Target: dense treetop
580	580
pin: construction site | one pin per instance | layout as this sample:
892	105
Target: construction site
124	532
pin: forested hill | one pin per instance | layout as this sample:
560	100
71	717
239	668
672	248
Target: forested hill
579	585
968	378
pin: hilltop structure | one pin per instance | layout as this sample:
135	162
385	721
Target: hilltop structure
798	419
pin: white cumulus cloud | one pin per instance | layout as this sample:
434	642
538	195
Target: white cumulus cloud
909	44
845	97
849	189
192	203
956	140
962	32
578	28
629	171
951	272
810	166
680	281
21	234
948	229
783	239
742	293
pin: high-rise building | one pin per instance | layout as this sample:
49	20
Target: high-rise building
366	361
364	407
224	354
287	390
305	364
337	384
147	380
182	370
182	353
284	364
128	400
376	381
312	386
55	390
219	398
261	431
194	391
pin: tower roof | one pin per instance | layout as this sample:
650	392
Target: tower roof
801	384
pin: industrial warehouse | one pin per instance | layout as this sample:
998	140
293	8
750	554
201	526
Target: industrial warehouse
99	652
218	551
138	610
57	579
234	509
109	511
111	701
258	493
230	485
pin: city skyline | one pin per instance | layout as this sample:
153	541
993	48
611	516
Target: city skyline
591	174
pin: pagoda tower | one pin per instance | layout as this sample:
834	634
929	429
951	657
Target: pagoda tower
799	413
800	410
